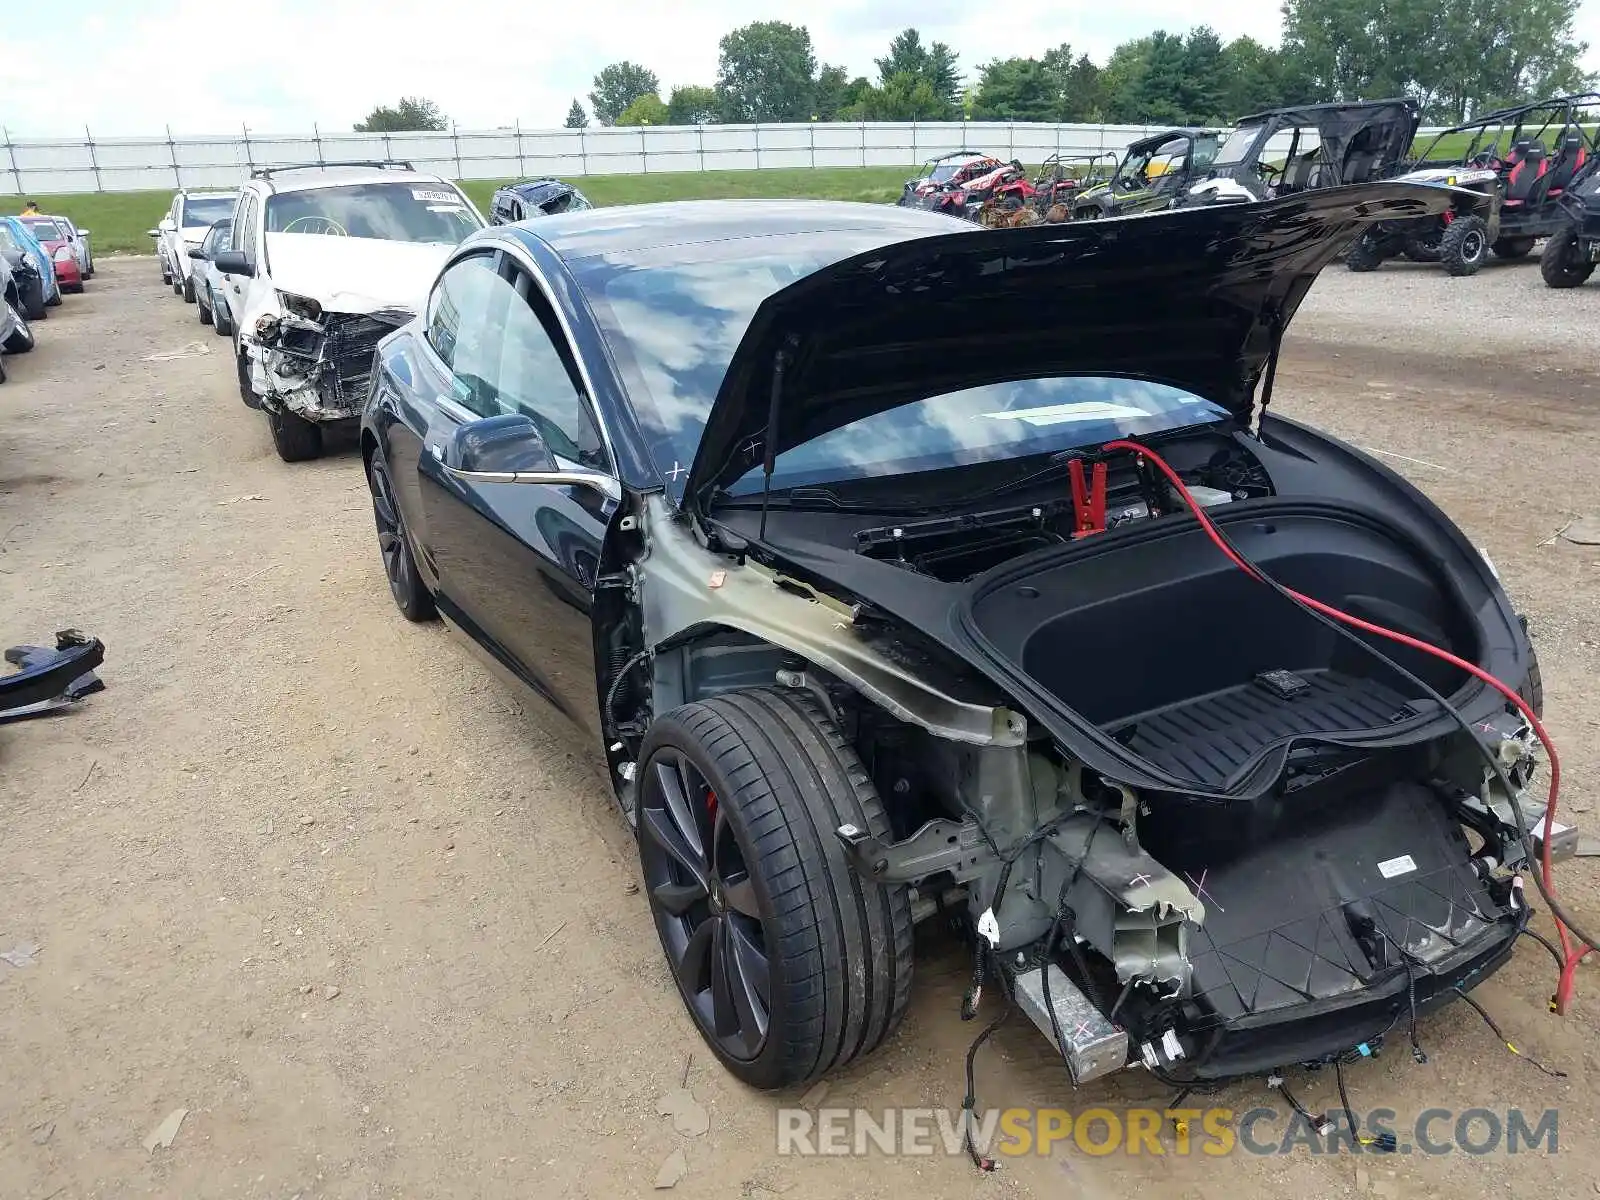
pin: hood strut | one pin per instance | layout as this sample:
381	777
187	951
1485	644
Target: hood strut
1276	325
769	447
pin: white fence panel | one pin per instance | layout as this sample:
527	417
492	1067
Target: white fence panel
48	166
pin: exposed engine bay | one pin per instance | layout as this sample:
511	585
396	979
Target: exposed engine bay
316	364
1196	828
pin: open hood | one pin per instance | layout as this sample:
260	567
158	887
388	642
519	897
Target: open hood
355	275
1196	299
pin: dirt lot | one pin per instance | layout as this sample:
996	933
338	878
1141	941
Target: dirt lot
287	790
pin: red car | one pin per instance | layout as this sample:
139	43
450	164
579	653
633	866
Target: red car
58	245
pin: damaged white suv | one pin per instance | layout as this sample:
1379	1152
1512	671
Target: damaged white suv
326	260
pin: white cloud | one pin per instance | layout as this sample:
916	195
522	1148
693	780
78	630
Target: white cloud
279	66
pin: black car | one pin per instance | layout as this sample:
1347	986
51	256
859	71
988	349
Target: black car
772	500
534	198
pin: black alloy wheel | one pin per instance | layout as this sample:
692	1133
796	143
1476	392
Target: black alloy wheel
405	584
790	962
705	905
1464	246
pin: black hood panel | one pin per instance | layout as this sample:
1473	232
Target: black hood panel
1192	298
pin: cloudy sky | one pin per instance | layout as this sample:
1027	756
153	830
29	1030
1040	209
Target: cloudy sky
277	66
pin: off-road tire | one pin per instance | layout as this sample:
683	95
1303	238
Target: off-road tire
1560	264
839	947
21	339
1464	246
293	437
1364	254
1418	250
1512	248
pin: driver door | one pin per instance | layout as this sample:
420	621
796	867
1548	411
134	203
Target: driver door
516	563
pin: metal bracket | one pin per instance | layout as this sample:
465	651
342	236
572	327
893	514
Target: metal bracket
954	846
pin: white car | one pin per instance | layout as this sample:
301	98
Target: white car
183	229
324	261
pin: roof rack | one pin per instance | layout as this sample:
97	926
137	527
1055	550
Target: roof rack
382	164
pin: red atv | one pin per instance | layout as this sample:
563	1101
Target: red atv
944	180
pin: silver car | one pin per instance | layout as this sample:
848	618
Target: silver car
80	245
211	287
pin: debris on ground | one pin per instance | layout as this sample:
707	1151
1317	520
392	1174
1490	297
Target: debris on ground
43	1132
1585	531
240	499
21	955
48	679
187	350
674	1169
689	1116
164	1134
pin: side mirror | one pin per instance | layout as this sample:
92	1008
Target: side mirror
505	445
167	225
510	449
197	252
153	232
83	231
231	262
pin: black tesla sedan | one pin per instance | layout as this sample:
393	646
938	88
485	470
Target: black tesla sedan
898	567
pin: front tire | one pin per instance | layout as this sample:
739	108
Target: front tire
220	320
413	599
1464	246
205	312
293	437
33	307
21	339
1562	264
790	963
188	290
1364	255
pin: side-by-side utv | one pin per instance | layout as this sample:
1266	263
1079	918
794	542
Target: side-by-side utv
1508	171
1287	150
1153	174
1572	252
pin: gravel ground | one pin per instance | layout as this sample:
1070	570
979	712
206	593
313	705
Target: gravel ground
317	877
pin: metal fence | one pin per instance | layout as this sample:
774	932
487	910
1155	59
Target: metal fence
48	166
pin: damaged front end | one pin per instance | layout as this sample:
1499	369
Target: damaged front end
316	364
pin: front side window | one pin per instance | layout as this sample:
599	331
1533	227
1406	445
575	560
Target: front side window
485	322
396	212
1237	146
216	239
206	210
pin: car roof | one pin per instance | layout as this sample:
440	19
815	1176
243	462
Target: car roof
308	179
633	227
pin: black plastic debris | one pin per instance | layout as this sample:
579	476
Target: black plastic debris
50	679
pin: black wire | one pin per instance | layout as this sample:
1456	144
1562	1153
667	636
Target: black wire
1499	1033
1547	944
969	1103
1489	756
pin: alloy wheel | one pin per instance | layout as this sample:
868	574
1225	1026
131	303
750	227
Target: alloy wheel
705	905
391	544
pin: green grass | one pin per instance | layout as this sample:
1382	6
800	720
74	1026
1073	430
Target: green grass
118	221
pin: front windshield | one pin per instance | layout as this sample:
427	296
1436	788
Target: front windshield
395	212
987	424
673	327
46	231
1237	146
207	210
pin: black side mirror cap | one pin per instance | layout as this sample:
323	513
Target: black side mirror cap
503	445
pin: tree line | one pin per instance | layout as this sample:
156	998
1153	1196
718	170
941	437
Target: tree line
1455	57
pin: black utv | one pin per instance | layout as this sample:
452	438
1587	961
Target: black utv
1507	171
1572	251
1287	150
